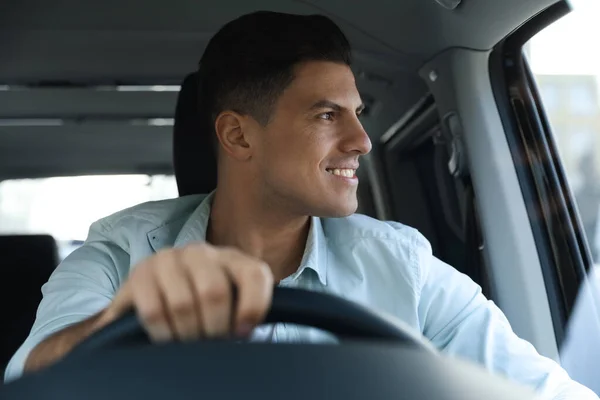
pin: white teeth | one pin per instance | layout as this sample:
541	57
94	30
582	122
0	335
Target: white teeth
348	173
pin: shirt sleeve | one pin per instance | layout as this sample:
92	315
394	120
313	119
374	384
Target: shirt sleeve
81	286
457	318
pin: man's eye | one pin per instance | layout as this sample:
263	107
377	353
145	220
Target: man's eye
328	116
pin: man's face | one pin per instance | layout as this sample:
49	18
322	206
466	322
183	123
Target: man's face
307	155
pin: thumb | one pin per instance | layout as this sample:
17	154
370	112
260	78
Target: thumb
122	303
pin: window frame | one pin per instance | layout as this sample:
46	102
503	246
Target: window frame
561	244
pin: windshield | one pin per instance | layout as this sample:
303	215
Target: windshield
565	61
64	207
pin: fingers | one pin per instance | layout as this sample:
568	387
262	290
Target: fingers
121	303
254	282
212	287
184	294
229	268
142	293
214	293
150	307
180	311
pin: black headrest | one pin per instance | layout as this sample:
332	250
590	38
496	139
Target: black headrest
27	263
194	158
28	254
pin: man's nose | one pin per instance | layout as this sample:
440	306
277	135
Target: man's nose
356	139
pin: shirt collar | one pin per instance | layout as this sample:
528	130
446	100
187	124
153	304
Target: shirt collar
315	250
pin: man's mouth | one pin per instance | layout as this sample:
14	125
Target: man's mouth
345	172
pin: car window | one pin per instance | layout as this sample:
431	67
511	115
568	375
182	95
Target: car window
565	62
64	207
566	66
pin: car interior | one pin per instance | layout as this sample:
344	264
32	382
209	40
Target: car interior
110	87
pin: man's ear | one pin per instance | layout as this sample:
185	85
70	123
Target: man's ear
229	127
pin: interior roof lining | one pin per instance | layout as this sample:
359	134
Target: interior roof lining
388	52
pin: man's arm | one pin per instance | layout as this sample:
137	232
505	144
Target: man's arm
59	344
80	287
458	319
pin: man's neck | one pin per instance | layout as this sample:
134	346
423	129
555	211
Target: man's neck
276	238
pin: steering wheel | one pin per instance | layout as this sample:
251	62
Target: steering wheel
405	367
343	318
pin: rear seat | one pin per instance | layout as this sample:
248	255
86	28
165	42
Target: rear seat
27	261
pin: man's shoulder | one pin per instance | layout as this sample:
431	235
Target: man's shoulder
151	215
359	226
357	242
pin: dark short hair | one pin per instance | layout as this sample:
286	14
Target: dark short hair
250	60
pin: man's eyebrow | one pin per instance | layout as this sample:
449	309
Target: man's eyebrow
334	106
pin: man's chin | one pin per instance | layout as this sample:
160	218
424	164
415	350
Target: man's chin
342	214
337	210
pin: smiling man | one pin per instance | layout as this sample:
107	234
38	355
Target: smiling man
281	101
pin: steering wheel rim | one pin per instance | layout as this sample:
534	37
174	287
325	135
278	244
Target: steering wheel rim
345	319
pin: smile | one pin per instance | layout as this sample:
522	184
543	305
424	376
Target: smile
345	172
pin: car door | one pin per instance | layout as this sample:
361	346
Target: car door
546	79
524	143
554	87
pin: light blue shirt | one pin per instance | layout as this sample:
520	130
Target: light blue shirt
384	265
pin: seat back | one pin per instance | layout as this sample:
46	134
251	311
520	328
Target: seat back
194	158
26	264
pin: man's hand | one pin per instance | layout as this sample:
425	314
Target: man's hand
187	293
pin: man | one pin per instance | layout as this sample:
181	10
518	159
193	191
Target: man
281	101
